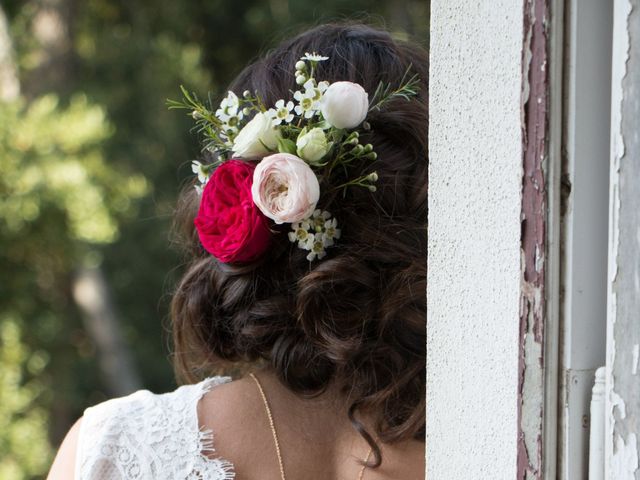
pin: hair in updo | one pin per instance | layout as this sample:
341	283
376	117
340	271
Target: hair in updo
358	316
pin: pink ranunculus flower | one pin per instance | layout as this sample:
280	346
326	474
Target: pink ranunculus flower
229	224
284	188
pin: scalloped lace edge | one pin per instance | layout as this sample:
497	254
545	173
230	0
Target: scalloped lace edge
205	435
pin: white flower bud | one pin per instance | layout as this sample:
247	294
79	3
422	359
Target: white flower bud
373	176
312	145
246	94
300	79
345	104
300	65
372	188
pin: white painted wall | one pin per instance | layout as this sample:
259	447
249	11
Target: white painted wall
473	291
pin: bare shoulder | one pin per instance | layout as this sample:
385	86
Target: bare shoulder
233	412
229	408
63	466
315	439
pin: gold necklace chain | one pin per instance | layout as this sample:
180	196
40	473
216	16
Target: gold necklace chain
275	435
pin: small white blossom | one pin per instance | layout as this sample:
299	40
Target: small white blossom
315	234
309	101
301	234
314	57
305	103
229	108
317	251
317	91
230	115
318	219
230	127
200	170
282	112
331	232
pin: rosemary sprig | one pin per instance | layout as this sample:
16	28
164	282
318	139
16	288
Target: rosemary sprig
409	87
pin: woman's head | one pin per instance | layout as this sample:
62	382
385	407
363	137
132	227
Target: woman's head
356	318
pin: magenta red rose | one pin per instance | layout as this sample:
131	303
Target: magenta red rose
229	224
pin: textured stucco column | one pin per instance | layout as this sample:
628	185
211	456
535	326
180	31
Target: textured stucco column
622	443
474	275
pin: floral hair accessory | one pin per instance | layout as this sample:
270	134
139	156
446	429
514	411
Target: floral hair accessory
272	164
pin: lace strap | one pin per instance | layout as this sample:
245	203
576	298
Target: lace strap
146	436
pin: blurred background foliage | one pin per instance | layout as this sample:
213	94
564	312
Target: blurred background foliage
91	163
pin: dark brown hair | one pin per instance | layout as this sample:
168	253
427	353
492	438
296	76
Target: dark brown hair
358	316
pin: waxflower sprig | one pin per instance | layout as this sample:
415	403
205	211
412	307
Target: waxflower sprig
271	163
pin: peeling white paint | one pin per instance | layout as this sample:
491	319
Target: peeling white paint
532	395
616	404
625	461
621	454
636	358
539	259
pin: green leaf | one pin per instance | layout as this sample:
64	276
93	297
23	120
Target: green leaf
286	146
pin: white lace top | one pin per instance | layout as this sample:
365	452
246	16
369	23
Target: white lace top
145	436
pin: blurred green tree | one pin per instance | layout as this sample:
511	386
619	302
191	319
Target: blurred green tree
59	202
92	163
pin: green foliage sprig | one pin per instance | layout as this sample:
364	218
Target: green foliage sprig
408	87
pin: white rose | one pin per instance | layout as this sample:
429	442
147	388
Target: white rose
285	188
344	104
312	145
256	138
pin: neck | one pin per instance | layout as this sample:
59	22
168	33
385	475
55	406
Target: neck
328	408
